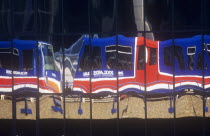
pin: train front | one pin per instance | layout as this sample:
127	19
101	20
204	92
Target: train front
50	77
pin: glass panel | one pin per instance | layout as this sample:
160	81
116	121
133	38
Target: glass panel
187	18
188	84
51	105
159	78
206	10
77	115
25	114
104	114
77	104
191	107
24	16
5	82
72	48
157	15
131	101
75	14
25	84
102	20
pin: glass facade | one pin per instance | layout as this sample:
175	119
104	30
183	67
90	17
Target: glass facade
43	63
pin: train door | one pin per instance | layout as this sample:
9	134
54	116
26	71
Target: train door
151	66
165	67
147	55
140	72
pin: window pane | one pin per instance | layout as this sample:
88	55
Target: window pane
97	62
179	56
153	56
27	59
111	57
85	62
141	58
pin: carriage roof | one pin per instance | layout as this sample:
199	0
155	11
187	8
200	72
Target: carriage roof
186	42
20	44
121	40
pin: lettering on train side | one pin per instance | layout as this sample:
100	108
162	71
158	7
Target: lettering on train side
16	72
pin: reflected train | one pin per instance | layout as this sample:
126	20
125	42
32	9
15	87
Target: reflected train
25	67
138	65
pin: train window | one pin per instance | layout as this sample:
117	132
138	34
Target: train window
27	59
179	56
168	58
49	57
124	57
84	64
191	50
153	56
200	62
141	59
191	54
97	64
5	59
111	57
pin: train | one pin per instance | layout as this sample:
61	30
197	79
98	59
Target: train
138	65
115	64
28	66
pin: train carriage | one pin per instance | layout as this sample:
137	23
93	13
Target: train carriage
190	62
104	65
24	67
158	66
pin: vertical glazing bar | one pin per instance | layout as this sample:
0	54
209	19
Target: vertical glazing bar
145	70
37	67
12	59
203	68
117	76
90	54
63	72
174	93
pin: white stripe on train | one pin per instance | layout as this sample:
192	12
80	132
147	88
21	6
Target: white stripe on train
150	88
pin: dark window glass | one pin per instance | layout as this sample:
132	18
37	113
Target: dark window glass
168	58
153	56
27	59
84	64
124	57
111	57
191	50
191	57
179	56
190	62
141	59
49	57
97	64
200	62
5	59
